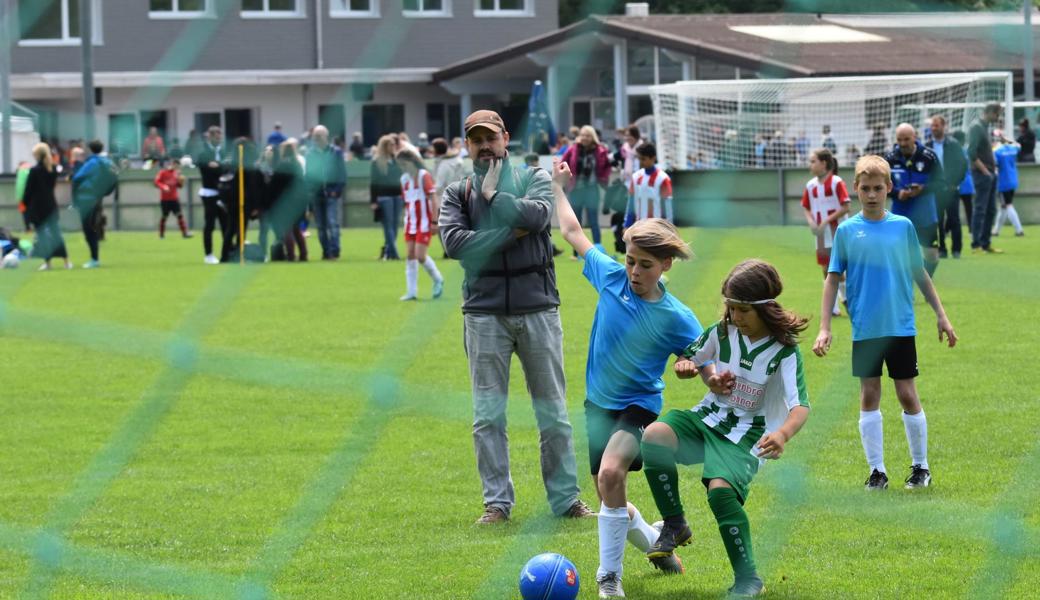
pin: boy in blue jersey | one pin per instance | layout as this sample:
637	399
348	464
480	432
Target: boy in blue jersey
637	326
878	253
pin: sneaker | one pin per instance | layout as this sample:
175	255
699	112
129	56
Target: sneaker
610	586
438	289
492	515
919	477
877	481
211	260
670	565
579	510
836	311
942	253
746	587
91	264
956	254
1020	233
977	251
44	267
992	250
187	236
404	298
671	538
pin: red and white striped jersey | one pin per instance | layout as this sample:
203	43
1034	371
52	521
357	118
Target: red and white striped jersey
649	194
823	198
418	202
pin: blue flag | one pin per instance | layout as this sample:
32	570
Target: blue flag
538	120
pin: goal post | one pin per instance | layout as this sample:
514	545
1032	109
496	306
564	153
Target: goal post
766	123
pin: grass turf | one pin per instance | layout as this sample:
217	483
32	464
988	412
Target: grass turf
172	429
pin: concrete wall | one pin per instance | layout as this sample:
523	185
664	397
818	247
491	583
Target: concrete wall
703	199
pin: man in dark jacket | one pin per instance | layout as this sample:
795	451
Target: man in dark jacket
954	163
497	224
917	176
212	161
327	176
91	181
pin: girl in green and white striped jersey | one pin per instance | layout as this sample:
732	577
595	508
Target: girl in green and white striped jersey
752	356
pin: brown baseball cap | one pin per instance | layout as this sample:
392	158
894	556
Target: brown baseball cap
485	118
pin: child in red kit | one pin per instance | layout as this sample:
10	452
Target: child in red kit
169	181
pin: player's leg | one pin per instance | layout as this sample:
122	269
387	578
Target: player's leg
411	270
926	237
727	507
998	220
613	522
675	438
422	254
953	224
1012	214
164	212
180	220
489	348
902	368
867	359
539	345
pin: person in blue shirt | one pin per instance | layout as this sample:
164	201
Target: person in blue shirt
877	251
1006	153
276	137
917	176
637	326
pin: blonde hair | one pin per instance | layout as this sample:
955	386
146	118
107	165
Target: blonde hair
589	129
42	153
385	149
870	166
659	238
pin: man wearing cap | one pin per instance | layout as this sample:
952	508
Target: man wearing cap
497	224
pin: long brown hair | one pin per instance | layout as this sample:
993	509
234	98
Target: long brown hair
827	157
754	280
385	148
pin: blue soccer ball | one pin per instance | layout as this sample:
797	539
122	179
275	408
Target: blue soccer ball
549	576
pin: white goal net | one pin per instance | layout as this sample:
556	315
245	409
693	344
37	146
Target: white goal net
772	123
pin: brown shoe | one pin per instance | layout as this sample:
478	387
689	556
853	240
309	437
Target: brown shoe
579	510
492	515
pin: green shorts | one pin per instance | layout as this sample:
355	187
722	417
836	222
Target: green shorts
722	459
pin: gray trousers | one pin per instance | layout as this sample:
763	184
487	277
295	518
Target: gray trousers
537	339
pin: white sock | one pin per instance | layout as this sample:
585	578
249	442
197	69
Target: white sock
841	291
411	276
999	221
917	437
613	523
1012	216
431	268
640	533
872	436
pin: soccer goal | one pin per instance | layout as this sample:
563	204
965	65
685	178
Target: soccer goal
750	123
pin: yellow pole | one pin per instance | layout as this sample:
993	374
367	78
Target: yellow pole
241	208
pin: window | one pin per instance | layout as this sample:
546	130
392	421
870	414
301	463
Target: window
504	8
53	22
179	9
123	137
427	8
380	119
265	9
354	8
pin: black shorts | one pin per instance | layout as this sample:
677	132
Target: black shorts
602	423
170	207
928	237
898	353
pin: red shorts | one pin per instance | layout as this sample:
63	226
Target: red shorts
823	257
423	237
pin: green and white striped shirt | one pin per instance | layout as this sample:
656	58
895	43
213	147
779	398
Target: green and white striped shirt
769	383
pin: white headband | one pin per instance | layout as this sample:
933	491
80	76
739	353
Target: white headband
735	301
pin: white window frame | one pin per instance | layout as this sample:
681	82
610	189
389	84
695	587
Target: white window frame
340	9
526	11
267	13
66	39
207	12
423	13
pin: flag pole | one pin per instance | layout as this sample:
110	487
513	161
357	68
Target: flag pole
241	208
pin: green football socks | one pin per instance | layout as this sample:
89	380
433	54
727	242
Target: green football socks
663	477
735	530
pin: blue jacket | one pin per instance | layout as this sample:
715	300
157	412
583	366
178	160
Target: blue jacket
922	168
88	180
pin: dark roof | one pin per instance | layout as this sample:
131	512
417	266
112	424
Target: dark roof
929	49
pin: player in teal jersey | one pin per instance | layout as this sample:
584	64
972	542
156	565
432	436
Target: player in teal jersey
752	355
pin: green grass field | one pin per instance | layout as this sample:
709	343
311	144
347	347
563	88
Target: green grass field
171	429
